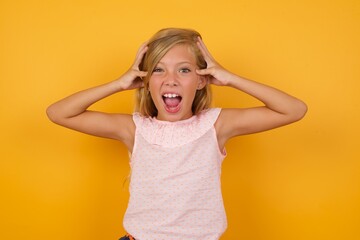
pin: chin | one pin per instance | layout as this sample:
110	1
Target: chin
173	117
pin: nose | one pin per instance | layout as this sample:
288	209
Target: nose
171	80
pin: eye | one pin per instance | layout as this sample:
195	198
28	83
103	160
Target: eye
184	70
157	69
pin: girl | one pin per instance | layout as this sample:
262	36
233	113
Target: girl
177	142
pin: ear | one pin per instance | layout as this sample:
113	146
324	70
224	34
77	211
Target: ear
202	82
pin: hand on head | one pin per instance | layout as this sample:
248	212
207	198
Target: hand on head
132	79
217	75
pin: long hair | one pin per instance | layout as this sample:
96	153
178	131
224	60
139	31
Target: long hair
158	46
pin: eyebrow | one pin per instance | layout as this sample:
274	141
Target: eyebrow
178	62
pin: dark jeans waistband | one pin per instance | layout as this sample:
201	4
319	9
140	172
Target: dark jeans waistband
127	237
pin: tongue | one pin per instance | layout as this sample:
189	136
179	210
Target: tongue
172	102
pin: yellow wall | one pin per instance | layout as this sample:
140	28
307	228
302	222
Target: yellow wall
298	182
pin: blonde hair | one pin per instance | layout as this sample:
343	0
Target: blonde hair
158	46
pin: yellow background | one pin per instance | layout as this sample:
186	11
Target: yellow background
298	182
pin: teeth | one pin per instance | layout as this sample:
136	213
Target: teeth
170	95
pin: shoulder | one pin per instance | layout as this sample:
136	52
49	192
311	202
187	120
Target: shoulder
228	124
230	120
209	115
124	128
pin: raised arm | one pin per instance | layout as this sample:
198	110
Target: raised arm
71	112
279	107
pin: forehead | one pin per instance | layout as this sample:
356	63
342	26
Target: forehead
179	53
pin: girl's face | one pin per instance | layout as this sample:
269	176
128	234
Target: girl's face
173	84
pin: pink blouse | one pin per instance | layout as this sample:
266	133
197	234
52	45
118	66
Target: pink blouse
175	188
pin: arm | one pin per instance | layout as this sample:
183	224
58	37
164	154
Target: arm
279	108
71	112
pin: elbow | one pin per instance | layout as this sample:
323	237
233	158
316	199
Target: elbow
51	114
299	110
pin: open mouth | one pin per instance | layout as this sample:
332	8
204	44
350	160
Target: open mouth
172	102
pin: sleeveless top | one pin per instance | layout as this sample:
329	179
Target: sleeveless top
175	188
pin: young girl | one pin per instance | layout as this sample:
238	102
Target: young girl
177	142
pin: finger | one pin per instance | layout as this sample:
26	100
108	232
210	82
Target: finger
140	83
203	72
142	74
205	52
139	57
140	54
141	48
202	50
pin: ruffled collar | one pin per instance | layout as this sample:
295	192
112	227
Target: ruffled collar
175	134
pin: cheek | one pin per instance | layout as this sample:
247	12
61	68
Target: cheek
192	82
153	83
154	86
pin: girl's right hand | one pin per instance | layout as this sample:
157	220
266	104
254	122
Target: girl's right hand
132	79
72	111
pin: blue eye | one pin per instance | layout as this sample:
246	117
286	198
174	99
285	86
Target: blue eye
157	70
184	70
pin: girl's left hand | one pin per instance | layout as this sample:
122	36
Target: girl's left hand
217	75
